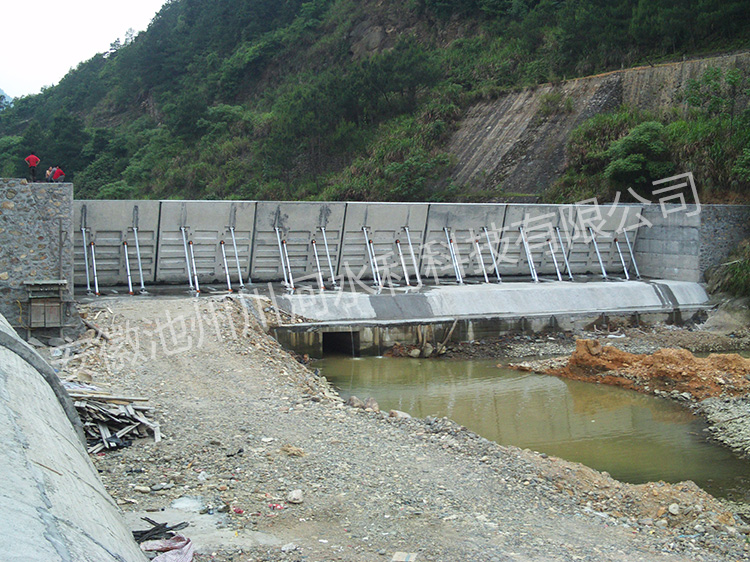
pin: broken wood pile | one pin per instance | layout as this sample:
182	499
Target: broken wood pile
108	419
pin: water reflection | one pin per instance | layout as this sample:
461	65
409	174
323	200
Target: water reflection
636	438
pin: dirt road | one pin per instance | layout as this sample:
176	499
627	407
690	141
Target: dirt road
285	471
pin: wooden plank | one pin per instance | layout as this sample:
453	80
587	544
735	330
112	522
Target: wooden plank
106	397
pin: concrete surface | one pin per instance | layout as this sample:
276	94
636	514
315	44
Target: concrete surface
669	242
108	224
506	300
53	506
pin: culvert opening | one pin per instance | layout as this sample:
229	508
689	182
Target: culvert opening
341	343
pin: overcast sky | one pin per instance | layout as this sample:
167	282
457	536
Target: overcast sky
41	40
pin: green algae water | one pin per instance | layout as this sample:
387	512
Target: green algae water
634	437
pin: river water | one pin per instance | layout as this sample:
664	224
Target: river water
634	437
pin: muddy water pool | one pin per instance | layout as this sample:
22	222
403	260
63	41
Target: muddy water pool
634	437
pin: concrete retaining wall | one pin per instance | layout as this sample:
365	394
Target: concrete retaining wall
670	242
53	507
362	239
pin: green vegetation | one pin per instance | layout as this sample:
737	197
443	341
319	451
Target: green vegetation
629	149
733	276
355	99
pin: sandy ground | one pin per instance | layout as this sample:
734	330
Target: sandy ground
281	469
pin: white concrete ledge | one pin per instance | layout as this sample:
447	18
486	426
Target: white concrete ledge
506	300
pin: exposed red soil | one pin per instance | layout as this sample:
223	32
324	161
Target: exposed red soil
666	370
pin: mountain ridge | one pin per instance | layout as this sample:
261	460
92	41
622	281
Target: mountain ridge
331	99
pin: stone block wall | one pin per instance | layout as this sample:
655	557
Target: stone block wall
36	241
722	228
682	243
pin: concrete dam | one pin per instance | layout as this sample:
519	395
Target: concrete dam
366	275
374	272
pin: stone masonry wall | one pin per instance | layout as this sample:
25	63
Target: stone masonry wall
722	228
682	244
35	218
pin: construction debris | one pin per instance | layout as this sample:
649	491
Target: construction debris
158	531
109	419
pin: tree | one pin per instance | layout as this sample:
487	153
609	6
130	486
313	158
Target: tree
639	158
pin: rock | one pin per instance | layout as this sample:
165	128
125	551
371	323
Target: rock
427	350
35	342
674	509
594	347
142	489
414	353
193	504
289	547
399	415
295	496
55	342
355	402
661	523
371	404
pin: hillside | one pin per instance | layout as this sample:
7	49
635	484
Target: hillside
345	99
519	140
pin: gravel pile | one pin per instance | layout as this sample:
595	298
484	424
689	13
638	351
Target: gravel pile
729	421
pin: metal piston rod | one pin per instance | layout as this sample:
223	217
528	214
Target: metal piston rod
93	265
622	260
237	259
317	265
288	264
564	253
454	257
226	266
281	256
554	259
375	261
492	254
403	263
86	261
195	270
328	256
371	256
529	257
413	257
598	254
481	259
632	255
138	249
187	258
127	267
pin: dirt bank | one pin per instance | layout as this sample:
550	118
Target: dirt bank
246	427
666	371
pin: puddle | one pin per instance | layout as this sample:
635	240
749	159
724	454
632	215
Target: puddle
635	437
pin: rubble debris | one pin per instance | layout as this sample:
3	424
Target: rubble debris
108	419
157	530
